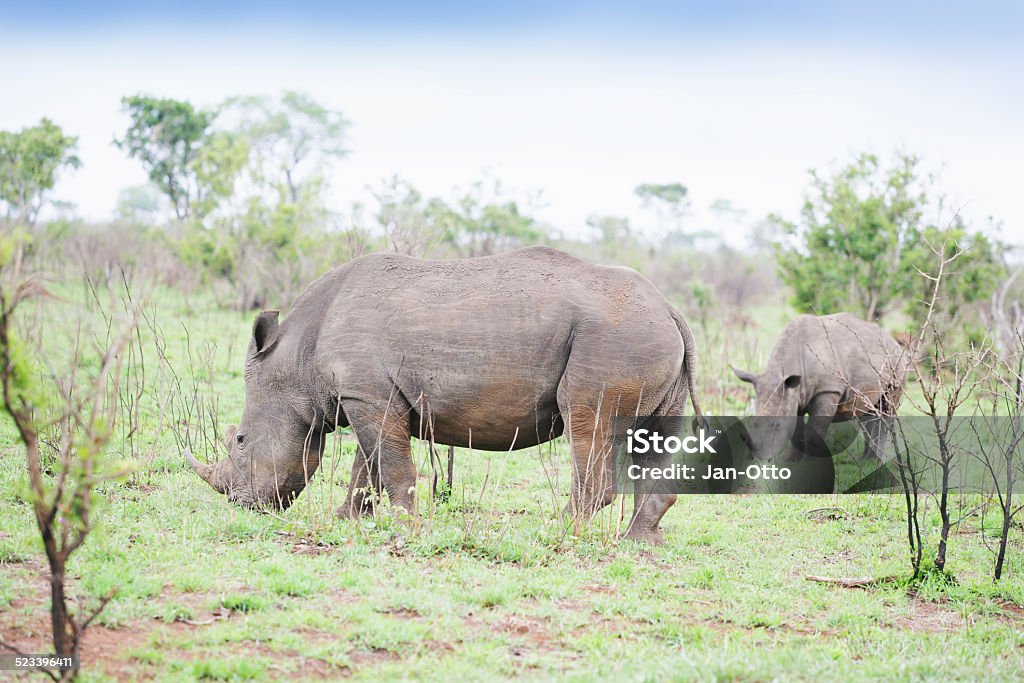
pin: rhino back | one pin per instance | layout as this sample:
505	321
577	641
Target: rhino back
487	337
838	352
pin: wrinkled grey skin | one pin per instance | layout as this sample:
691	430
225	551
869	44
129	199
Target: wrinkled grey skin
497	353
829	368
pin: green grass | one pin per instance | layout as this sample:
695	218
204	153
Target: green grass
492	585
487	594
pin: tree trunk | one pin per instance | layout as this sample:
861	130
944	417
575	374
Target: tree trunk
1002	543
1007	510
63	640
940	556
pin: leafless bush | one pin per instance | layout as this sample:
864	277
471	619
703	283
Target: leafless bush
108	253
190	400
740	280
269	274
998	445
948	382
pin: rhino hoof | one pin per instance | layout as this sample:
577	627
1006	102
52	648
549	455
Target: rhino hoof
649	536
352	511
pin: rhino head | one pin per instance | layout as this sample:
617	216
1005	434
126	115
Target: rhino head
274	450
777	405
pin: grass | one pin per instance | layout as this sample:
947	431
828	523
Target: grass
725	598
491	585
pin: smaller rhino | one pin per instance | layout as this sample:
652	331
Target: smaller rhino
830	368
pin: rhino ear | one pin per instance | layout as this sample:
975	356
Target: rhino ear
230	437
744	375
264	331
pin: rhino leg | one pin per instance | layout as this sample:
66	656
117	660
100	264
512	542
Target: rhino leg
814	470
644	527
592	485
384	458
589	416
590	442
876	432
649	506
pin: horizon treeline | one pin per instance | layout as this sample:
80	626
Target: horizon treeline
238	204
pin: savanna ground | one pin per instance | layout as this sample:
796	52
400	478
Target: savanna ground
490	585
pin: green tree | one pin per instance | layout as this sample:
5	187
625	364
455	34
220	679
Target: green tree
611	231
138	203
727	216
294	140
402	215
217	165
673	195
670	203
260	176
64	419
30	160
483	222
970	278
166	135
862	243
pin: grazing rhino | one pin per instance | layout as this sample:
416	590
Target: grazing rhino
830	368
494	353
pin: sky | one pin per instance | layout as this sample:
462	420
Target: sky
578	101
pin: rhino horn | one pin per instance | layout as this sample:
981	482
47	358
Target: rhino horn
743	375
204	471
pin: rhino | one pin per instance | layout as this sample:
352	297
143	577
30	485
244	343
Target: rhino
493	353
830	369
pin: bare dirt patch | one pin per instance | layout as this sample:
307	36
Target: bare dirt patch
400	612
369	658
31	633
530	639
1012	612
841	557
109	651
930	617
311	548
532	629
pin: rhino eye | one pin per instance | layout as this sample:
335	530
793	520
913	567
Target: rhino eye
239	438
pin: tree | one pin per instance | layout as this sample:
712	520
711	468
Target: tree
30	160
64	418
294	139
862	242
671	195
262	178
973	276
670	202
727	215
217	165
138	203
483	222
402	215
166	136
611	231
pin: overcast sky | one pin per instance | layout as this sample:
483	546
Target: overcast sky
582	101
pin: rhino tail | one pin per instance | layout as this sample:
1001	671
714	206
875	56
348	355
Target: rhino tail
689	368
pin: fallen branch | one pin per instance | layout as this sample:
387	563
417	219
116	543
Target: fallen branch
862	582
217	615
